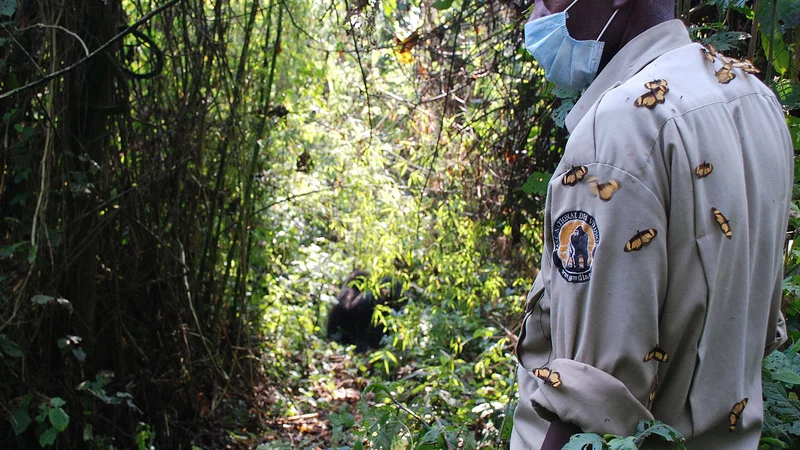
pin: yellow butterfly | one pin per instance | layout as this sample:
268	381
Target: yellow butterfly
574	175
736	414
658	354
549	377
641	239
724	225
725	74
604	190
653	391
657	95
704	170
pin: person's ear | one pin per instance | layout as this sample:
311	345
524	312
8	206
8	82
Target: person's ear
618	4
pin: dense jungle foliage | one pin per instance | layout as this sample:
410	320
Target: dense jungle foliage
185	184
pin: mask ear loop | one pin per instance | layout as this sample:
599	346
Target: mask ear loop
607	24
570	6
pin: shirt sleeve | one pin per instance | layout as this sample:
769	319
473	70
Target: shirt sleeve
605	270
776	330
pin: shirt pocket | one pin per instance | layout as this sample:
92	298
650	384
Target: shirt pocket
534	344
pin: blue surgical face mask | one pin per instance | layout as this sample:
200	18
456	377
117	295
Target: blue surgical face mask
568	63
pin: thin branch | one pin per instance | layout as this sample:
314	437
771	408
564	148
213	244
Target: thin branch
751	50
91	55
59	27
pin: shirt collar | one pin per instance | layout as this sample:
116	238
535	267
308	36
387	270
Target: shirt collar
633	57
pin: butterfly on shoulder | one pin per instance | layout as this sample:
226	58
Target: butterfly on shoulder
604	190
704	170
725	73
736	414
710	52
640	240
549	377
574	175
657	95
745	65
658	354
723	222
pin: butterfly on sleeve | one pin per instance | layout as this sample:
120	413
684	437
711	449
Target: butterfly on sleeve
736	414
658	354
704	170
723	222
605	190
550	377
640	240
574	175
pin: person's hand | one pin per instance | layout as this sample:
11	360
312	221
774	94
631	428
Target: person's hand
559	434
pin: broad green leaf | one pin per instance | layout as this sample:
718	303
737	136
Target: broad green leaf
8	7
10	347
48	437
20	420
584	441
787	15
626	443
443	4
537	183
42	299
780	56
57	402
88	432
59	419
787	376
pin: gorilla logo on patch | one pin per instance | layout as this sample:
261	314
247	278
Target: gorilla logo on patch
575	238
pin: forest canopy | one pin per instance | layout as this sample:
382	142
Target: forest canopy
186	184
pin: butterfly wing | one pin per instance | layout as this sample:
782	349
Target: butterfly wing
658	354
704	170
660	85
648	100
736	414
574	176
723	222
554	379
606	190
725	73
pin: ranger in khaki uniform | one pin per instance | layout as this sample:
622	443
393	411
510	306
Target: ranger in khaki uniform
665	221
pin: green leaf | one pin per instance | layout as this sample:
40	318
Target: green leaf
787	376
780	56
59	419
537	183
88	432
443	4
584	441
787	16
8	7
622	444
42	299
10	347
20	420
79	354
48	437
57	402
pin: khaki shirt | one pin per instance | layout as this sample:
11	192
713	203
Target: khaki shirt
638	263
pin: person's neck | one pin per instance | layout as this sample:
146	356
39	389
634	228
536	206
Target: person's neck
638	22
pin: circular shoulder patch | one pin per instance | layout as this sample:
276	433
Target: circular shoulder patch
575	238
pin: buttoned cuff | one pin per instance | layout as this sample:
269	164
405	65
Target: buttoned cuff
591	399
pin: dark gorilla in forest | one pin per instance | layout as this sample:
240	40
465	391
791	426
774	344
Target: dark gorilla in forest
350	320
